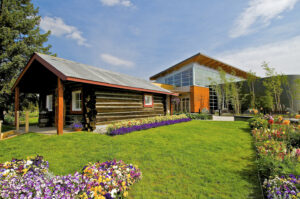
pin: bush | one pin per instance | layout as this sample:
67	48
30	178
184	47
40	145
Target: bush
198	116
295	139
258	122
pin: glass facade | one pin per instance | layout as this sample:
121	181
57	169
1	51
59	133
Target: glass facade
184	78
196	75
204	76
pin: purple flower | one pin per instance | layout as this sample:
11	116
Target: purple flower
124	130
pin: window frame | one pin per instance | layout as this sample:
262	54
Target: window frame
148	105
47	102
76	111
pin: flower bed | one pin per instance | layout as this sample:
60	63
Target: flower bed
124	127
283	187
31	179
277	145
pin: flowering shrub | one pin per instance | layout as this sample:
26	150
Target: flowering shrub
110	179
76	125
253	111
268	134
278	150
140	124
258	122
31	179
274	149
198	116
282	187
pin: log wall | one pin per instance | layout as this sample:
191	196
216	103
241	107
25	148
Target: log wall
112	106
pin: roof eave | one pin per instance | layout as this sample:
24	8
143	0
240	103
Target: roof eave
75	79
196	58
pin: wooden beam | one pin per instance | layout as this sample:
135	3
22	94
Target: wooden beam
207	62
171	106
17	95
26	121
60	106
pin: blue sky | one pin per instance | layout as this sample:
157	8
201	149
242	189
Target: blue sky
142	38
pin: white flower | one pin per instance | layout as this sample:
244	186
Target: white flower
113	193
29	162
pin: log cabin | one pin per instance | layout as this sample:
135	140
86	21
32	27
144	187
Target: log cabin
73	92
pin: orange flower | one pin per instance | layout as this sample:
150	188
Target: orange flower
286	122
297	116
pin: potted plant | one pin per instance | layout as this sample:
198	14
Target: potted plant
77	126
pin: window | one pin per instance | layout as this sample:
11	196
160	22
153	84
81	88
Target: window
177	79
76	101
49	102
148	101
184	78
169	80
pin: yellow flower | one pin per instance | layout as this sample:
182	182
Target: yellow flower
25	171
125	194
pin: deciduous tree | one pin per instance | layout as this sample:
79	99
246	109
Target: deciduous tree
273	84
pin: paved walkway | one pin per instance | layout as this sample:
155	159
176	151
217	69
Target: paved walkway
44	130
222	118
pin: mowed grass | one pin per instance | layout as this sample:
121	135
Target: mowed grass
197	159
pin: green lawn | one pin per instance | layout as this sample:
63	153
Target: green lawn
197	159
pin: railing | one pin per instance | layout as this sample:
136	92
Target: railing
1	129
26	121
4	135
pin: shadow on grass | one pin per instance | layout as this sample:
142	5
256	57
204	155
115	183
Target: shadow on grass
251	175
248	129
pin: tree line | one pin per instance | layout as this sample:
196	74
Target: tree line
229	92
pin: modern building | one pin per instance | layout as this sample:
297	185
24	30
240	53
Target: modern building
192	78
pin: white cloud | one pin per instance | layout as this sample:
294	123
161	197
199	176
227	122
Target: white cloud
58	28
115	61
283	56
259	13
126	3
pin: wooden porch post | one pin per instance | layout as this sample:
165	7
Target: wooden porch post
60	107
17	95
171	106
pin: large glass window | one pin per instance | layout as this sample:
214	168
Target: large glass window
169	80
184	78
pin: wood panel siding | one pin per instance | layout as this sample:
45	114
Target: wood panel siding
199	98
117	105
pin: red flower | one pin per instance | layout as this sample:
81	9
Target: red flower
271	121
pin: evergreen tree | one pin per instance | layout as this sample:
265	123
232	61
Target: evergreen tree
20	37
